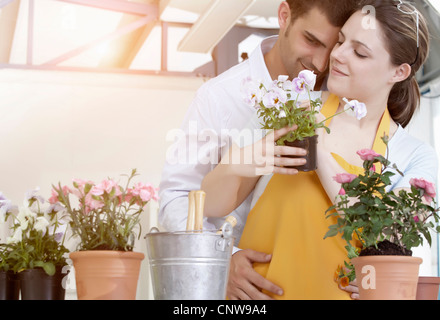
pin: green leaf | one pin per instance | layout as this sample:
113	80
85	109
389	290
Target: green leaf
333	231
48	267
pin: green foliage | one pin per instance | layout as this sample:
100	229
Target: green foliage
304	118
374	214
107	220
37	241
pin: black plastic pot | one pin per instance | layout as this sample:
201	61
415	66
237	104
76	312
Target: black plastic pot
310	144
9	286
37	285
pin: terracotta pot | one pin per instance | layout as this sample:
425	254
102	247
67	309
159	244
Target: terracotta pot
310	144
428	288
387	277
106	275
36	284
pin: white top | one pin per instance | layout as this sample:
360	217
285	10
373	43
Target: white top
217	110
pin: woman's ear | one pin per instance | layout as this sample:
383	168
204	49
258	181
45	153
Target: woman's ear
402	72
284	15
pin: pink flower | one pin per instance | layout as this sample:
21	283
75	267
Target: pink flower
80	185
367	154
105	186
54	194
342	192
91	203
145	191
426	186
416	219
344	177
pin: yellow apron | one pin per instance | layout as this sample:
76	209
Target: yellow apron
289	222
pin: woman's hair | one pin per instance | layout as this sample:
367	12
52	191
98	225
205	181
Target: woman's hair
337	14
399	27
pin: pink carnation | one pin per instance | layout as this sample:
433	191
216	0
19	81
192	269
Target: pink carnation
91	203
145	191
344	177
428	187
54	194
105	186
367	154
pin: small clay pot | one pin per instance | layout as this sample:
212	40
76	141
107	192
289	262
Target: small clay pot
387	277
106	274
310	144
428	288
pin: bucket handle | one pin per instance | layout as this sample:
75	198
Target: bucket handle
223	243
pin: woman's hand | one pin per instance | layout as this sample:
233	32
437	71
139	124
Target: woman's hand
264	157
229	184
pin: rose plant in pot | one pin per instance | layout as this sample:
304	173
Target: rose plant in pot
381	226
35	251
106	220
278	106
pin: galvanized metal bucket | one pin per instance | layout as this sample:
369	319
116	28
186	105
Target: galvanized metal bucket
190	265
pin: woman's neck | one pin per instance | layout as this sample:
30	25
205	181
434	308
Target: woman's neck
375	111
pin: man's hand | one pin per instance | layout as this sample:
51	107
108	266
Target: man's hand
244	282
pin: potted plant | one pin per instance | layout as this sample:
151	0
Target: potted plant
35	251
9	282
105	220
278	107
380	227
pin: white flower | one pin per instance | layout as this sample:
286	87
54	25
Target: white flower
5	207
23	217
309	78
252	92
283	78
355	108
41	224
33	194
275	98
17	237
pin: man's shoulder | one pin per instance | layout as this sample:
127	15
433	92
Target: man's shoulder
229	79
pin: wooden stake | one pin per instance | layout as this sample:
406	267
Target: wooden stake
200	204
190	223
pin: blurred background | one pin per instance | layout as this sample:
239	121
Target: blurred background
90	88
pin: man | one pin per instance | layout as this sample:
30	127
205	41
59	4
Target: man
308	32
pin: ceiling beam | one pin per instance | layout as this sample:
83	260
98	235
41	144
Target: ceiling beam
8	22
140	22
214	23
140	9
123	50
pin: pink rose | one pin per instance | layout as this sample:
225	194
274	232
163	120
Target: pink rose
344	177
367	154
342	192
426	186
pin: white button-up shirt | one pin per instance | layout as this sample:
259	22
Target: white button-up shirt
217	113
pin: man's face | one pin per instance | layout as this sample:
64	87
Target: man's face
307	43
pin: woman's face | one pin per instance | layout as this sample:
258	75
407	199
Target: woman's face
360	66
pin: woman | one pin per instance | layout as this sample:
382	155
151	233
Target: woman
374	63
